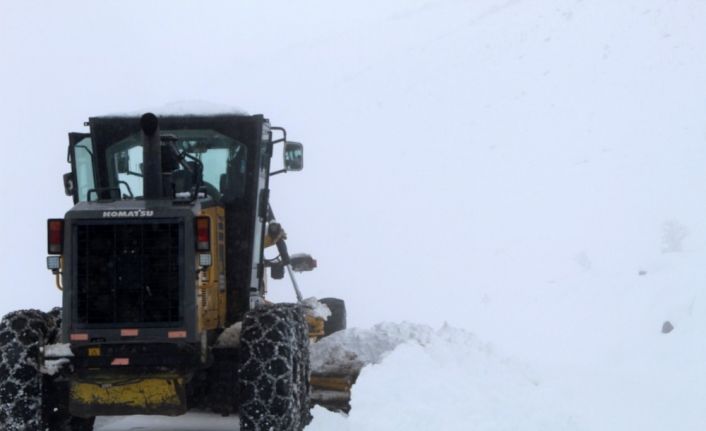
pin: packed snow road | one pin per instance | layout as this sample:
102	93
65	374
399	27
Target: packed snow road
189	422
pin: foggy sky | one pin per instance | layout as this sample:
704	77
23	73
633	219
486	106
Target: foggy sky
458	154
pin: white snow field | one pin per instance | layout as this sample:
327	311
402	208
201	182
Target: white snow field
530	172
614	372
422	379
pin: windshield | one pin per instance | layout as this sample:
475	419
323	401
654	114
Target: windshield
223	158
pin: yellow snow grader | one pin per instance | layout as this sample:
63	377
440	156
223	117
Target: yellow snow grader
162	269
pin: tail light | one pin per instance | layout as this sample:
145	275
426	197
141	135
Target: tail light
203	233
55	228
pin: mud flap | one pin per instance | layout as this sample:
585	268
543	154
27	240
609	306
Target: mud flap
163	395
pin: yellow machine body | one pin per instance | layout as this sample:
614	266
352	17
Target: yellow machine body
126	395
211	289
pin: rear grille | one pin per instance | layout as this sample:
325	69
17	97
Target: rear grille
127	273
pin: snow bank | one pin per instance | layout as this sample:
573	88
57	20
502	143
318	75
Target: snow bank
426	379
353	348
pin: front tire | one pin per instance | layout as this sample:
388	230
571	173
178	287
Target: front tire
274	369
22	336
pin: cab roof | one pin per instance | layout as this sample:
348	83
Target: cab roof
183	109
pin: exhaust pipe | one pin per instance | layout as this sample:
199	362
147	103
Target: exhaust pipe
151	157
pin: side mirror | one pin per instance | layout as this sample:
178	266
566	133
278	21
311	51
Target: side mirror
122	160
293	156
69	184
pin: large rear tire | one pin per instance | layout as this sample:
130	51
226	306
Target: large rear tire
30	400
274	369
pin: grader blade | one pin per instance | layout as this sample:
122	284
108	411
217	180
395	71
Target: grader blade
333	391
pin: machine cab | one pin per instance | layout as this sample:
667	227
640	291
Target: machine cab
133	244
223	156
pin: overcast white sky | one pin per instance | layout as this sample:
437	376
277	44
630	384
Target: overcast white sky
457	152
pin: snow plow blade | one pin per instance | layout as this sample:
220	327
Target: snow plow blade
334	371
332	383
332	391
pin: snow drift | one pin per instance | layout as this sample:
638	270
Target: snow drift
418	378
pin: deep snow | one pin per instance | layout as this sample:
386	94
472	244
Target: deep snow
444	379
422	379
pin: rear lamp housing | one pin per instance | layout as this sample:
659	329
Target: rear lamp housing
202	228
55	236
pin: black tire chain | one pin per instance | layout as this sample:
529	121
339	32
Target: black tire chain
22	336
274	369
304	369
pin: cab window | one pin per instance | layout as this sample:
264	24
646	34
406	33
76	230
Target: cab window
223	158
83	159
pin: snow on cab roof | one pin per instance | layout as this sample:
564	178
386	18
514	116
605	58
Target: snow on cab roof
182	108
